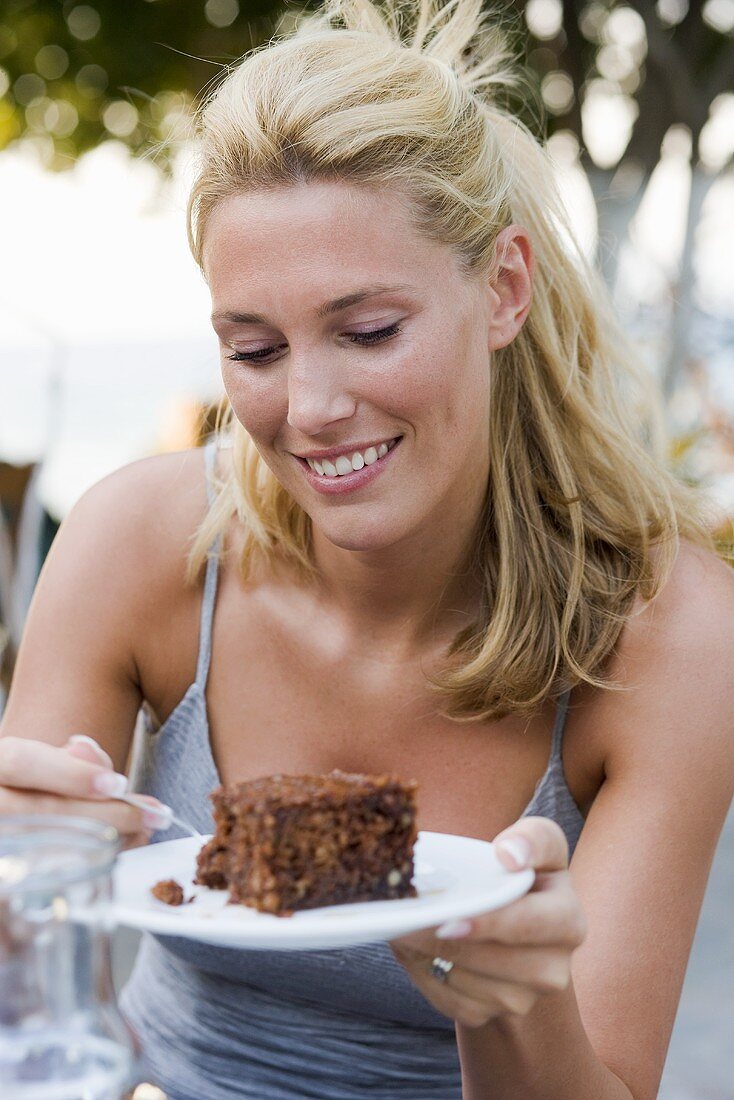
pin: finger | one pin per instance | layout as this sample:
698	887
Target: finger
86	748
534	842
135	840
128	820
458	1006
550	917
441	995
467	998
494	997
545	919
544	969
159	816
35	765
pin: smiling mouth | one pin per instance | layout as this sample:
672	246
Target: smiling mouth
349	463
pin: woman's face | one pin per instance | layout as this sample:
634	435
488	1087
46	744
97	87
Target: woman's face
344	332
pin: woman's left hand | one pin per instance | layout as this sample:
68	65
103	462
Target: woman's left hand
506	959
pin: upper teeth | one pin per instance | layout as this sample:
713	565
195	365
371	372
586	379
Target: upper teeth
346	463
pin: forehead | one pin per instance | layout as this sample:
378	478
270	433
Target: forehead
317	234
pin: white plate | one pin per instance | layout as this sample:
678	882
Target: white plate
455	876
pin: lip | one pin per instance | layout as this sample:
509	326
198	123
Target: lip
346	483
345	448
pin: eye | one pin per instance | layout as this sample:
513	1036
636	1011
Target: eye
252	356
375	336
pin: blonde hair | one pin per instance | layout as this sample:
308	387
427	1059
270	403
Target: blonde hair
581	514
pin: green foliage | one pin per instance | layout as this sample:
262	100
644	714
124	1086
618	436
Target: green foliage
78	73
73	73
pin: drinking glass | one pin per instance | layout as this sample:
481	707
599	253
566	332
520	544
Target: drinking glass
62	1036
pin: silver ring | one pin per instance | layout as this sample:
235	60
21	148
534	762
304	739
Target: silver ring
441	968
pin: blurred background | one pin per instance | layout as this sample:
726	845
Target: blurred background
106	352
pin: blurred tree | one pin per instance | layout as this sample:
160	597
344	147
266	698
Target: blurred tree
73	74
615	79
641	71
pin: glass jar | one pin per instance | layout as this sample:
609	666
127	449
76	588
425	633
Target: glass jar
62	1036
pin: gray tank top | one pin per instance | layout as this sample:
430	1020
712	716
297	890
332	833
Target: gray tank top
222	1023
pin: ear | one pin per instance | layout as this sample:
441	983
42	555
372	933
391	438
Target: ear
511	286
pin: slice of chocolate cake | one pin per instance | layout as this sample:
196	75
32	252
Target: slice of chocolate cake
288	842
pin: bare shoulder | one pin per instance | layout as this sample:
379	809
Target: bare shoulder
693	606
153	503
673	665
126	540
681	640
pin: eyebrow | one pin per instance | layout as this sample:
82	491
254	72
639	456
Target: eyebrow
336	305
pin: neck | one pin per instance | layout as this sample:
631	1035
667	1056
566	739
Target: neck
414	592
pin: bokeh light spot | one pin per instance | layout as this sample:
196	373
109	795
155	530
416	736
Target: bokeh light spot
557	92
4	82
563	147
626	28
52	62
221	13
615	62
35	113
717	137
91	80
719	14
148	1092
671	12
28	87
543	60
544	17
592	19
83	22
66	120
677	142
120	118
607	117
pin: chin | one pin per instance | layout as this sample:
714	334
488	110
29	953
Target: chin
359	537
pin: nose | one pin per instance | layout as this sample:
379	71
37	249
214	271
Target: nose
317	395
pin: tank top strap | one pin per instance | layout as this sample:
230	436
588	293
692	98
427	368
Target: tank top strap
560	724
211	577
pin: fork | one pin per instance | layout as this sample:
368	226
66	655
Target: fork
141	804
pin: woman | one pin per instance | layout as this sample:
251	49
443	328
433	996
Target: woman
442	547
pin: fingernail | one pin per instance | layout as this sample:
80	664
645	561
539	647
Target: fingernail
82	739
517	848
110	783
158	818
453	930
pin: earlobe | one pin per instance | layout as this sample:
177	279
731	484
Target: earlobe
512	286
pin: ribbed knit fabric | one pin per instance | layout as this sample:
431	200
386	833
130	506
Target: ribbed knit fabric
220	1023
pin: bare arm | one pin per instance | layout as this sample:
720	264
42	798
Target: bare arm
109	576
642	862
76	671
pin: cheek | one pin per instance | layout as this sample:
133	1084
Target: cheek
449	388
467	388
256	400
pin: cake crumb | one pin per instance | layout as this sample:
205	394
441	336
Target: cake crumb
168	891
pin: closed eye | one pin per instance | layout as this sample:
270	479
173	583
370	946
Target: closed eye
251	356
363	339
376	336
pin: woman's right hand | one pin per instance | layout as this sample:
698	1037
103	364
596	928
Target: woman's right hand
78	779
